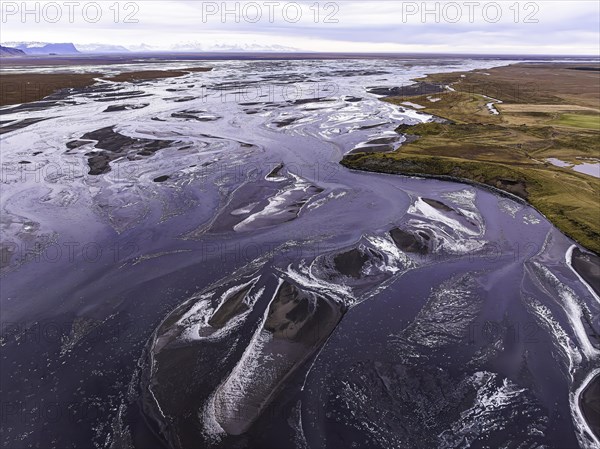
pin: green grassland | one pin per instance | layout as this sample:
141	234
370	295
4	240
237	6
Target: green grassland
509	151
575	120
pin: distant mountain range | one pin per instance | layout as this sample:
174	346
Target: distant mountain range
101	48
45	48
8	51
197	47
234	47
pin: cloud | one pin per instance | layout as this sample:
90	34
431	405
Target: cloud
460	27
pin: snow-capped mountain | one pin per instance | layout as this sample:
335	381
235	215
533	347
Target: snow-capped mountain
229	47
142	48
101	48
44	48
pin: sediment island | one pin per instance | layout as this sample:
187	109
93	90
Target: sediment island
524	129
20	88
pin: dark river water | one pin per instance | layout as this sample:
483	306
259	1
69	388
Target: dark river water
220	280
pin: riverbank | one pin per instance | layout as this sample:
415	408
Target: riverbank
589	402
19	88
502	127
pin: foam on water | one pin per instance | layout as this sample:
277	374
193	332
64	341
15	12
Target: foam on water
304	277
450	234
568	301
254	364
395	260
585	436
487	413
561	339
569	262
196	319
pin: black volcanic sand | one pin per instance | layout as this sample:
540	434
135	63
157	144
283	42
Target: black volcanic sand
408	91
181	99
125	107
231	307
238	86
373	149
147	75
299	322
518	188
255	108
114	93
259	194
383	140
52	101
359	268
588	267
355	72
201	116
293	316
285	122
105	92
438	205
376	125
377	145
351	262
447	209
30	87
311	100
122	96
276	172
21	124
252	194
589	402
409	242
115	145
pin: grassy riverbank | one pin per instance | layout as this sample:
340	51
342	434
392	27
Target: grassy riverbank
547	111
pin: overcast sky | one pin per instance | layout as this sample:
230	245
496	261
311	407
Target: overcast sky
545	27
